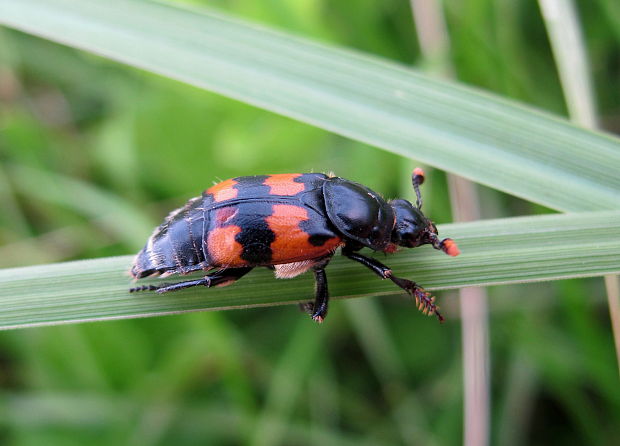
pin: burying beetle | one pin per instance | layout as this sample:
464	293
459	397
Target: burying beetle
290	223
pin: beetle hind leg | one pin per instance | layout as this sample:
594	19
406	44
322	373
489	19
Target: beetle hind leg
219	278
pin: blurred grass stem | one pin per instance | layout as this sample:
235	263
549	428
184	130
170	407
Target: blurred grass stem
474	328
570	56
435	47
612	284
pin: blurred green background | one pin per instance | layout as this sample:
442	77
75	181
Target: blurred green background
80	134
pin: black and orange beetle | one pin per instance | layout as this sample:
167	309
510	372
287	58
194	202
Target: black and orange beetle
290	223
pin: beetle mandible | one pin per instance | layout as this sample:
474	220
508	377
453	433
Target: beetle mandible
290	223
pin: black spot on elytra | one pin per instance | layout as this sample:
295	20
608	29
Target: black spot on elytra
256	244
318	239
255	236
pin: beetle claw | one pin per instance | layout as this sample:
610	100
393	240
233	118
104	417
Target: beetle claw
308	307
318	318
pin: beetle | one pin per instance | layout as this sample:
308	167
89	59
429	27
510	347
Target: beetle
290	223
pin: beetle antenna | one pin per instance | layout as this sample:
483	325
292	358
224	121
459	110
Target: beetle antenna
417	178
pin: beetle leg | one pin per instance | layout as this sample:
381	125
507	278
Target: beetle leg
424	300
221	278
319	309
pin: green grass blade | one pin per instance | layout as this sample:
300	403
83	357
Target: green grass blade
493	252
479	136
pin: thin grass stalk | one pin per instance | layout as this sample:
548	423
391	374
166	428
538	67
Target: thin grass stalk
612	285
570	55
474	329
435	46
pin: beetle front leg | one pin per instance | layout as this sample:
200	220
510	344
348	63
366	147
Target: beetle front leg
424	300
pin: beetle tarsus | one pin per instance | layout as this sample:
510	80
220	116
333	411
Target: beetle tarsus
425	301
143	288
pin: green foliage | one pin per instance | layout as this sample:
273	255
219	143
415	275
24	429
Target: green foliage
526	153
79	133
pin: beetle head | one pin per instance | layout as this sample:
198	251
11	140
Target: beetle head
412	228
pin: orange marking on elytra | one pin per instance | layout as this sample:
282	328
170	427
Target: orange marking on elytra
291	243
224	250
223	191
283	184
